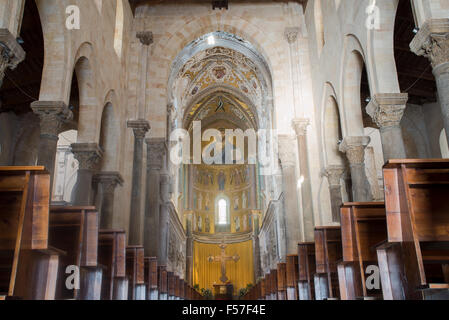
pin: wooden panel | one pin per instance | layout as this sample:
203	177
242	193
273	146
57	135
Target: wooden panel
151	273
163	279
292	271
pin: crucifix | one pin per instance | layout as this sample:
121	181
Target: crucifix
223	258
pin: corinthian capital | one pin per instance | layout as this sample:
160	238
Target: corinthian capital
300	126
354	148
52	115
156	149
87	154
145	37
11	53
287	145
140	127
432	41
291	34
108	180
387	109
334	174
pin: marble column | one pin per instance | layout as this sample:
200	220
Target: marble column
292	216
189	248
256	245
11	53
52	115
156	149
386	110
108	182
146	39
432	41
140	129
88	156
354	148
300	127
334	174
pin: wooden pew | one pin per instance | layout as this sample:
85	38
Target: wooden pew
292	277
163	282
417	206
74	230
151	278
328	252
363	228
282	281
262	289
28	264
267	287
171	285
274	284
177	288
306	271
112	257
135	271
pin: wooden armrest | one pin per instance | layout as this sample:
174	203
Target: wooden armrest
53	251
435	286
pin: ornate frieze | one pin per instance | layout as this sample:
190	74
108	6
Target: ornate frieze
87	154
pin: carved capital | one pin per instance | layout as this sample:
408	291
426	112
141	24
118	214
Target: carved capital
145	37
156	149
11	53
300	126
140	128
354	148
291	34
53	115
87	154
432	41
387	109
108	180
334	174
287	146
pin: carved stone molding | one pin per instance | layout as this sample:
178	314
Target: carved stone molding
53	115
108	180
11	53
156	149
387	109
354	148
140	127
145	37
287	147
291	34
334	174
432	41
300	126
87	154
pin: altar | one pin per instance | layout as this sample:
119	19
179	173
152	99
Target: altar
223	291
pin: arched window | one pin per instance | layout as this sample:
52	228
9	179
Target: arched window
222	212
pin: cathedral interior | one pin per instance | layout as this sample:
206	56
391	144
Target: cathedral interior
239	149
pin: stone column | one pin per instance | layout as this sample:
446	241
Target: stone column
189	248
334	174
52	115
155	156
300	127
108	182
386	110
88	156
432	41
146	39
291	34
140	128
11	53
354	147
256	245
164	217
294	228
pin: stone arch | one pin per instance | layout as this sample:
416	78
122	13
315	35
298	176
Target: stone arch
380	61
351	75
110	134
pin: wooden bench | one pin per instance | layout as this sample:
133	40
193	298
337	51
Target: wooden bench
263	295
151	278
28	264
292	277
282	281
363	227
112	258
274	284
306	271
135	271
74	230
171	285
162	279
328	252
417	207
267	287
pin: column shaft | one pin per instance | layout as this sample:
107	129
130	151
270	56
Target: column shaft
108	182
